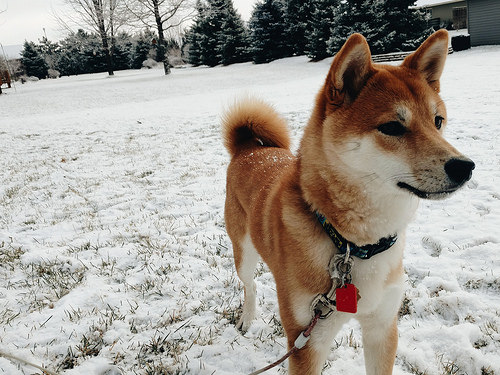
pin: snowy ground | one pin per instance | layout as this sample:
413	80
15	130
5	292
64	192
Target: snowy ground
113	254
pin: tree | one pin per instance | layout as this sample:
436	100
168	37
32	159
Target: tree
33	62
268	32
49	51
163	15
194	35
101	16
218	35
143	48
298	15
233	39
388	25
408	26
319	30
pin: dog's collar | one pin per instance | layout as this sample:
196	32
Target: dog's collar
362	252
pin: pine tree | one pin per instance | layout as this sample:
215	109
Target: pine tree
387	25
142	48
234	42
218	35
408	25
268	32
298	15
211	28
194	35
71	58
122	51
33	62
354	16
319	29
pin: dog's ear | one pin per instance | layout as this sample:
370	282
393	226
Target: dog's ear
430	57
351	68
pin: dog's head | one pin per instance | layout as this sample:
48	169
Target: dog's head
385	123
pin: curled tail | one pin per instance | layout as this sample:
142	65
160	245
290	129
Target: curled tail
251	123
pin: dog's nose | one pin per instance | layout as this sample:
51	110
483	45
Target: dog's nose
459	170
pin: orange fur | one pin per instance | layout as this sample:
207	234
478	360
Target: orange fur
359	177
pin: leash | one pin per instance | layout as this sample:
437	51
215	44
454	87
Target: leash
299	343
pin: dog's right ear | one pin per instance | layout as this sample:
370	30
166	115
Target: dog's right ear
351	68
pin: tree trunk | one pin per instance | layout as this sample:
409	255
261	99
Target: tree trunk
104	37
162	45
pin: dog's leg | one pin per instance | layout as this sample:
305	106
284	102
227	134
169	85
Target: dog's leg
246	258
311	359
380	334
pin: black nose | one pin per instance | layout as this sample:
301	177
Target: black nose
459	170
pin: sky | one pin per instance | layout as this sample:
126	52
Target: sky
27	19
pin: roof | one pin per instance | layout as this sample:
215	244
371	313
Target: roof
425	3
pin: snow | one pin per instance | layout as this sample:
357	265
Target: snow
113	253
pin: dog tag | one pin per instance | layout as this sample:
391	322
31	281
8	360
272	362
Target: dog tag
347	298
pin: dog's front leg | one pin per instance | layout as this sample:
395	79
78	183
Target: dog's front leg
311	359
380	334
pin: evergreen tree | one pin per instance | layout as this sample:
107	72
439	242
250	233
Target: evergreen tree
71	58
388	25
234	42
49	51
142	50
210	32
355	16
122	51
33	62
319	30
268	32
407	25
194	35
298	15
218	35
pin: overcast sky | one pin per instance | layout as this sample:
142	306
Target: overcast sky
26	19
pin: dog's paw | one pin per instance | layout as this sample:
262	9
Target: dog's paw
244	322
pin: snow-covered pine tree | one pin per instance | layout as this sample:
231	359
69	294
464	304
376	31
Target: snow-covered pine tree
354	16
298	17
234	41
143	45
122	51
194	35
408	26
319	28
268	32
210	31
33	62
387	25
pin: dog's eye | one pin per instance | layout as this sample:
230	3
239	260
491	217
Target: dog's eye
438	121
393	128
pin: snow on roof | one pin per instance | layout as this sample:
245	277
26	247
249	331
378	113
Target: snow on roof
422	3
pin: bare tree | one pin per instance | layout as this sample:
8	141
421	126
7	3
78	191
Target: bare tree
163	15
101	16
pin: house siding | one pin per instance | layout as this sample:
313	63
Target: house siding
484	22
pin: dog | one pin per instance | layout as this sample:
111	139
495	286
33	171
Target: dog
371	149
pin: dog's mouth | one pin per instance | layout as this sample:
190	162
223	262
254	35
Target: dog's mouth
427	194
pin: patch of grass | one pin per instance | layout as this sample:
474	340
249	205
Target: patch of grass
10	255
58	278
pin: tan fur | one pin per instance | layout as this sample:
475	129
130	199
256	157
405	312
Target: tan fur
357	176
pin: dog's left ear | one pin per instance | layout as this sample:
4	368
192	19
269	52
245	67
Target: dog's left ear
430	57
351	68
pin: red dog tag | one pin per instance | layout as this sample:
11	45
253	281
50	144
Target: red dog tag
347	298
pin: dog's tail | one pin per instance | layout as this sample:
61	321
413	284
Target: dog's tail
251	123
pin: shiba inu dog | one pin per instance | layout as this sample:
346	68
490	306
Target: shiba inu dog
373	146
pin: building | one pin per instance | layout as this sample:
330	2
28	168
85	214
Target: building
484	21
450	14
